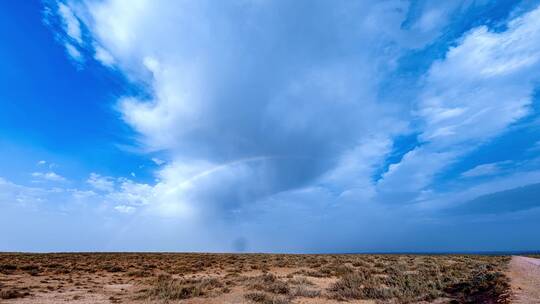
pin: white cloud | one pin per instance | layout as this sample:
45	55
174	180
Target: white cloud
49	176
429	18
41	163
413	173
466	192
158	161
70	22
486	82
355	168
102	183
131	193
489	76
230	145
201	115
103	56
482	170
11	193
72	39
124	209
483	85
73	52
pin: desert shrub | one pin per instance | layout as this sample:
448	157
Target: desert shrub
483	287
314	273
304	291
300	281
379	265
7	268
341	270
54	265
278	287
361	263
112	268
350	286
257	297
409	287
302	287
464	279
139	273
168	288
269	283
6	294
30	269
263	298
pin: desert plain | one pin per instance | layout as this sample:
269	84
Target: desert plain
267	278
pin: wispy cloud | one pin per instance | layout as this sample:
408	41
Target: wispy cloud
456	109
72	39
70	22
102	183
535	147
481	170
158	161
124	209
49	176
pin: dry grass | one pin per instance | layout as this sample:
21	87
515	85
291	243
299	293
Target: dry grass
12	293
258	278
264	298
168	288
464	279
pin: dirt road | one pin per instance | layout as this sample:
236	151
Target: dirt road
524	274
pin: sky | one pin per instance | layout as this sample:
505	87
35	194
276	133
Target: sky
270	126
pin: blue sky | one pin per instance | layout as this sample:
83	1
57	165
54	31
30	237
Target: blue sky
283	126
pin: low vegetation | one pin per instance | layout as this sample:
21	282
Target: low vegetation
257	278
169	288
463	279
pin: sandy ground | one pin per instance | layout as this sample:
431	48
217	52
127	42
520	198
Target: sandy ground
524	274
85	278
111	288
